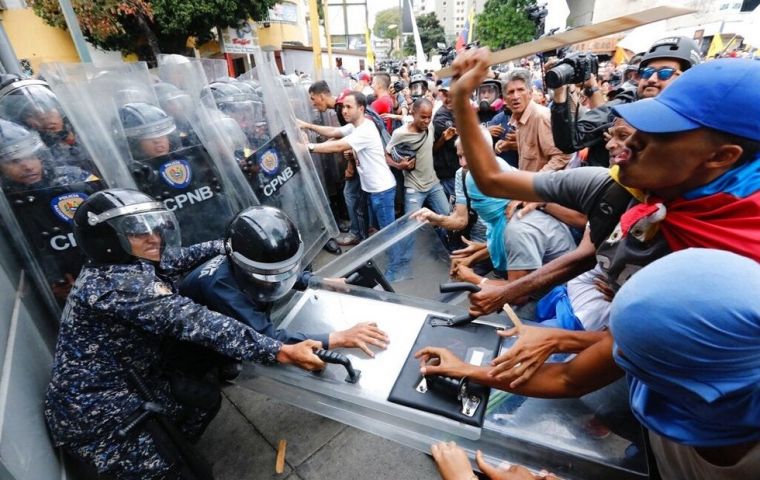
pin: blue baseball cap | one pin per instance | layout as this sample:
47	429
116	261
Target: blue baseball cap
721	94
445	84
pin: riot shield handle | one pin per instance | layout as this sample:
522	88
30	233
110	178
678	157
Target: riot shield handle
335	357
453	287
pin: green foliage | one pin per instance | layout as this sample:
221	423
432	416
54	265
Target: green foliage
383	19
431	32
504	23
150	27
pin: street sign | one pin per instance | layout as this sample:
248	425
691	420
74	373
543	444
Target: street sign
581	34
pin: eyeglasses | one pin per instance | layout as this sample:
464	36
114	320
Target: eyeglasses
663	73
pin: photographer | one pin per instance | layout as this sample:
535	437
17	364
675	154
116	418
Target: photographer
665	61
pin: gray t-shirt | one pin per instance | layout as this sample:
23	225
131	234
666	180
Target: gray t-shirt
422	178
478	232
676	461
581	189
535	239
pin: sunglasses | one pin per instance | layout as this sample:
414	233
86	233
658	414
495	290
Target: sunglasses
663	73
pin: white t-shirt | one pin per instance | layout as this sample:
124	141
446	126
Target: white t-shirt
374	174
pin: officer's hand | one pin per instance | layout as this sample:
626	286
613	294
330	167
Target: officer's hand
302	355
361	335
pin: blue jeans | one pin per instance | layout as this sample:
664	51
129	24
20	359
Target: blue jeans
435	199
356	204
449	187
382	206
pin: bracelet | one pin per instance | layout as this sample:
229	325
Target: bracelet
483	281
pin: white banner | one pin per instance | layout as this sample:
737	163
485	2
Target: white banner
241	39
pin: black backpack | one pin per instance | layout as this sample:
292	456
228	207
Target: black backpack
379	124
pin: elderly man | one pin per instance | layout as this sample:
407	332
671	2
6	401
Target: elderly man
532	137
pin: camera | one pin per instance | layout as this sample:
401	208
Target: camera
398	86
574	68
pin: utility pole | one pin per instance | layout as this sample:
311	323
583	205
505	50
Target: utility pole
75	31
8	57
316	44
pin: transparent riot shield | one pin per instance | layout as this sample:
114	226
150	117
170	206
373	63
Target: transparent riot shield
120	104
592	437
269	167
33	104
410	256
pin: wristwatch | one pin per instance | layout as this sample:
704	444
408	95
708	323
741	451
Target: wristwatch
310	146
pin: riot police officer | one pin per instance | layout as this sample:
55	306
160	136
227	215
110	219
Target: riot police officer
27	164
42	195
31	103
242	106
179	106
261	265
108	401
184	178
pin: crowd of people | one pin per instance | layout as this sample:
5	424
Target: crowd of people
613	211
595	204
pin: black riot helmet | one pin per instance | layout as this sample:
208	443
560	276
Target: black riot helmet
120	225
682	49
265	251
25	160
143	121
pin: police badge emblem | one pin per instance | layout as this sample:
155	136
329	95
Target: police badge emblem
176	173
270	162
64	206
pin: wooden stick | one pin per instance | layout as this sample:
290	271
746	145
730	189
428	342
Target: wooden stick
580	34
279	466
512	315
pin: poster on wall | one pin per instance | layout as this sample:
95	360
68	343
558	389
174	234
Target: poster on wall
240	39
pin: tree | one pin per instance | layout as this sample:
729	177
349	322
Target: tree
387	23
431	33
504	23
148	28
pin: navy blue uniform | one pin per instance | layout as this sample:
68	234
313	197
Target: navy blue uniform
213	285
114	321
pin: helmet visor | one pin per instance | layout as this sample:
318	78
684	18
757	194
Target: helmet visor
147	235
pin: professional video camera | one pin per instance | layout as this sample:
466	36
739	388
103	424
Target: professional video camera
398	86
574	68
448	54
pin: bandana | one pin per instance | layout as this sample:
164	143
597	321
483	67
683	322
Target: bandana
724	214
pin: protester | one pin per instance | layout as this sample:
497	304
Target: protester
444	152
695	161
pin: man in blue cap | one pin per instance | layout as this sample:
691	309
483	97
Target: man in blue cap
693	166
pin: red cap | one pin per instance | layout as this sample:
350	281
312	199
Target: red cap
365	76
342	95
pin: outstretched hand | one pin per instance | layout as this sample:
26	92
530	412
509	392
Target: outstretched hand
302	355
440	361
362	336
534	345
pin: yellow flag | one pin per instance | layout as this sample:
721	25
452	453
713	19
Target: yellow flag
370	53
471	20
620	57
716	46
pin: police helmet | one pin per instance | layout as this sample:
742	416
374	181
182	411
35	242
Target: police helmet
32	103
265	251
682	49
418	85
239	104
144	121
120	225
173	100
17	145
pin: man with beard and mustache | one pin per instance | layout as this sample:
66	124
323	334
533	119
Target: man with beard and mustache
662	64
